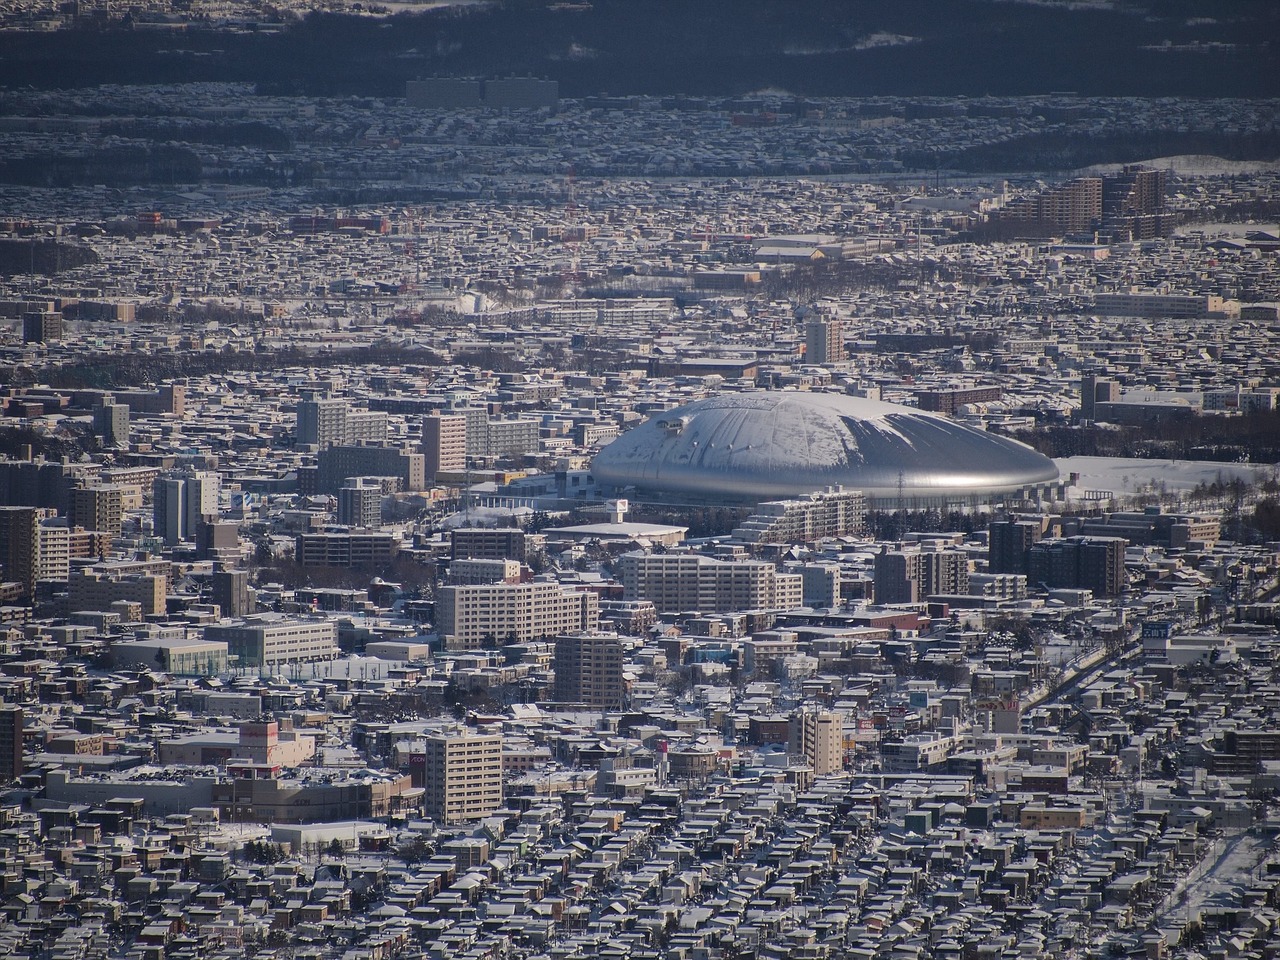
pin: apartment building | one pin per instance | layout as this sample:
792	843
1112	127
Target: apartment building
20	544
589	670
462	775
271	639
833	513
444	444
325	421
336	464
681	582
181	502
909	576
824	341
11	732
817	738
1090	563
487	543
350	548
360	503
99	507
471	615
94	589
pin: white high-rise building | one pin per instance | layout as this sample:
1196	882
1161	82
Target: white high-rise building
462	775
180	502
444	444
817	737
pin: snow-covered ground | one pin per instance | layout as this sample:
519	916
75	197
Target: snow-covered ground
1126	476
1195	165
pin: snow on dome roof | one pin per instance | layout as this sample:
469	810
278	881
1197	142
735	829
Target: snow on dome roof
763	445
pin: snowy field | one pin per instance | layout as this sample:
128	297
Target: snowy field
1126	476
1192	165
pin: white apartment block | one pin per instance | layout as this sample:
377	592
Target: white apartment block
469	615
834	513
53	549
270	639
462	775
680	582
444	444
817	737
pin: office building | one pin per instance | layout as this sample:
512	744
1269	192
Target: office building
182	656
462	775
472	616
589	670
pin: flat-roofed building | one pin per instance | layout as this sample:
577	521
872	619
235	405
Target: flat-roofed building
487	543
470	615
462	775
96	589
678	582
337	463
182	657
817	737
360	502
269	639
352	548
444	444
589	670
99	507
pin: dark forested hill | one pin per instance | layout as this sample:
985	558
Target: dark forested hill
714	47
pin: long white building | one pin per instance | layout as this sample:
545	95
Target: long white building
469	615
679	582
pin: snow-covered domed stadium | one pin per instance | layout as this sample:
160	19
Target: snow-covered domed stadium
745	447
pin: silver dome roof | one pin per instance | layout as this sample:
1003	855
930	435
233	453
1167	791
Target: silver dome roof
778	444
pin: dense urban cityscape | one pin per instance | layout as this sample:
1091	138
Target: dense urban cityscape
495	524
